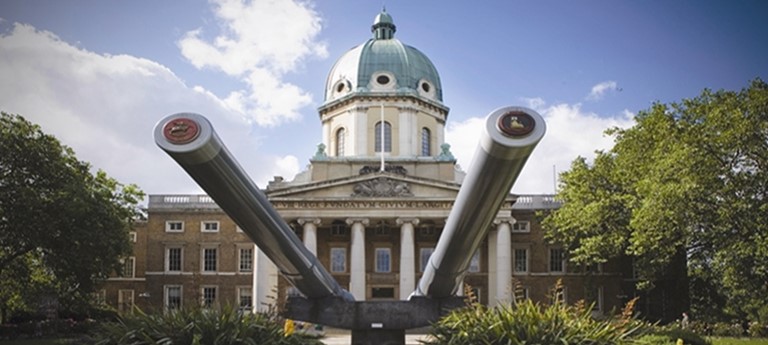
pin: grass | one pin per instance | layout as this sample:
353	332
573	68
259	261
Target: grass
39	342
738	341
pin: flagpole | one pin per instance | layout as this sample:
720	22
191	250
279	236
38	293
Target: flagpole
382	137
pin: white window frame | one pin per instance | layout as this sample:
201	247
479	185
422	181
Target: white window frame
475	263
121	300
133	236
129	262
424	261
521	226
527	260
169	225
387	137
334	268
168	258
248	261
562	261
210	226
378	268
203	259
166	296
426	142
597	309
203	298
240	295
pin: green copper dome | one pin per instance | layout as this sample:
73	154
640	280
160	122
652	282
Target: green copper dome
383	64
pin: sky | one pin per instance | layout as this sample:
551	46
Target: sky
99	75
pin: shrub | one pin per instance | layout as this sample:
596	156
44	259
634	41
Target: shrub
672	333
198	326
757	329
725	329
655	339
528	322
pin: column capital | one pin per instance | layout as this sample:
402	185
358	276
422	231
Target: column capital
303	221
401	221
364	221
500	220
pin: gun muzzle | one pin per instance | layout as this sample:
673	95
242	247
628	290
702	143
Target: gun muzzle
508	139
192	142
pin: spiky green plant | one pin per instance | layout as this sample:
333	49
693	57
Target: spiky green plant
195	326
528	322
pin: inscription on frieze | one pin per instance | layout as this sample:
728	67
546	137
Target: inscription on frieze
353	204
395	169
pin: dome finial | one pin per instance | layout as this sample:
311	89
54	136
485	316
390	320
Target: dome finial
383	27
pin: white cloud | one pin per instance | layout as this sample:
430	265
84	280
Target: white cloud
105	107
571	132
261	42
599	90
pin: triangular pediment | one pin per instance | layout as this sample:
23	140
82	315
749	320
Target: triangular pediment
366	186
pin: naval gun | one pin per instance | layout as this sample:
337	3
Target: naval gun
508	139
509	136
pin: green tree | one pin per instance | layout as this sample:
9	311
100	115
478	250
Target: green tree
689	177
62	228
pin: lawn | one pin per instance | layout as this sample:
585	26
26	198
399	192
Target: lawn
40	342
738	341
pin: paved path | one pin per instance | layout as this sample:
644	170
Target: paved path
345	339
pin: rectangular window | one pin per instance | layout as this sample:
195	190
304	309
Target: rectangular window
383	260
424	255
209	226
557	260
174	226
209	259
521	293
594	296
245	297
99	297
338	229
382	292
521	226
125	300
338	260
132	235
246	260
129	267
520	256
172	297
173	259
209	296
474	263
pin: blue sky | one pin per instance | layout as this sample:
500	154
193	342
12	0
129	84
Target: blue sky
99	74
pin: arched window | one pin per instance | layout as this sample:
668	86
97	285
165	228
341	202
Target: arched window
387	137
340	142
426	142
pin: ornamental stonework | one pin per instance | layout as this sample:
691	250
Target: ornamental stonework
382	187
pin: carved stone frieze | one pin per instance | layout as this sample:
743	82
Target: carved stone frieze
382	187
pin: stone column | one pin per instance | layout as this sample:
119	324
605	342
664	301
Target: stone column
310	233
357	258
503	260
492	272
264	281
407	256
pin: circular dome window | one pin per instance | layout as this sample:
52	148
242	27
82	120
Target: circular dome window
382	79
425	87
340	87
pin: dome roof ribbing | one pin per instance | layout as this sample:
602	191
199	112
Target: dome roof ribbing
383	64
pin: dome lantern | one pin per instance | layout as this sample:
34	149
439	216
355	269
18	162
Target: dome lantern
383	27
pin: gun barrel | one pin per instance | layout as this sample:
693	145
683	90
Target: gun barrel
508	139
192	142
